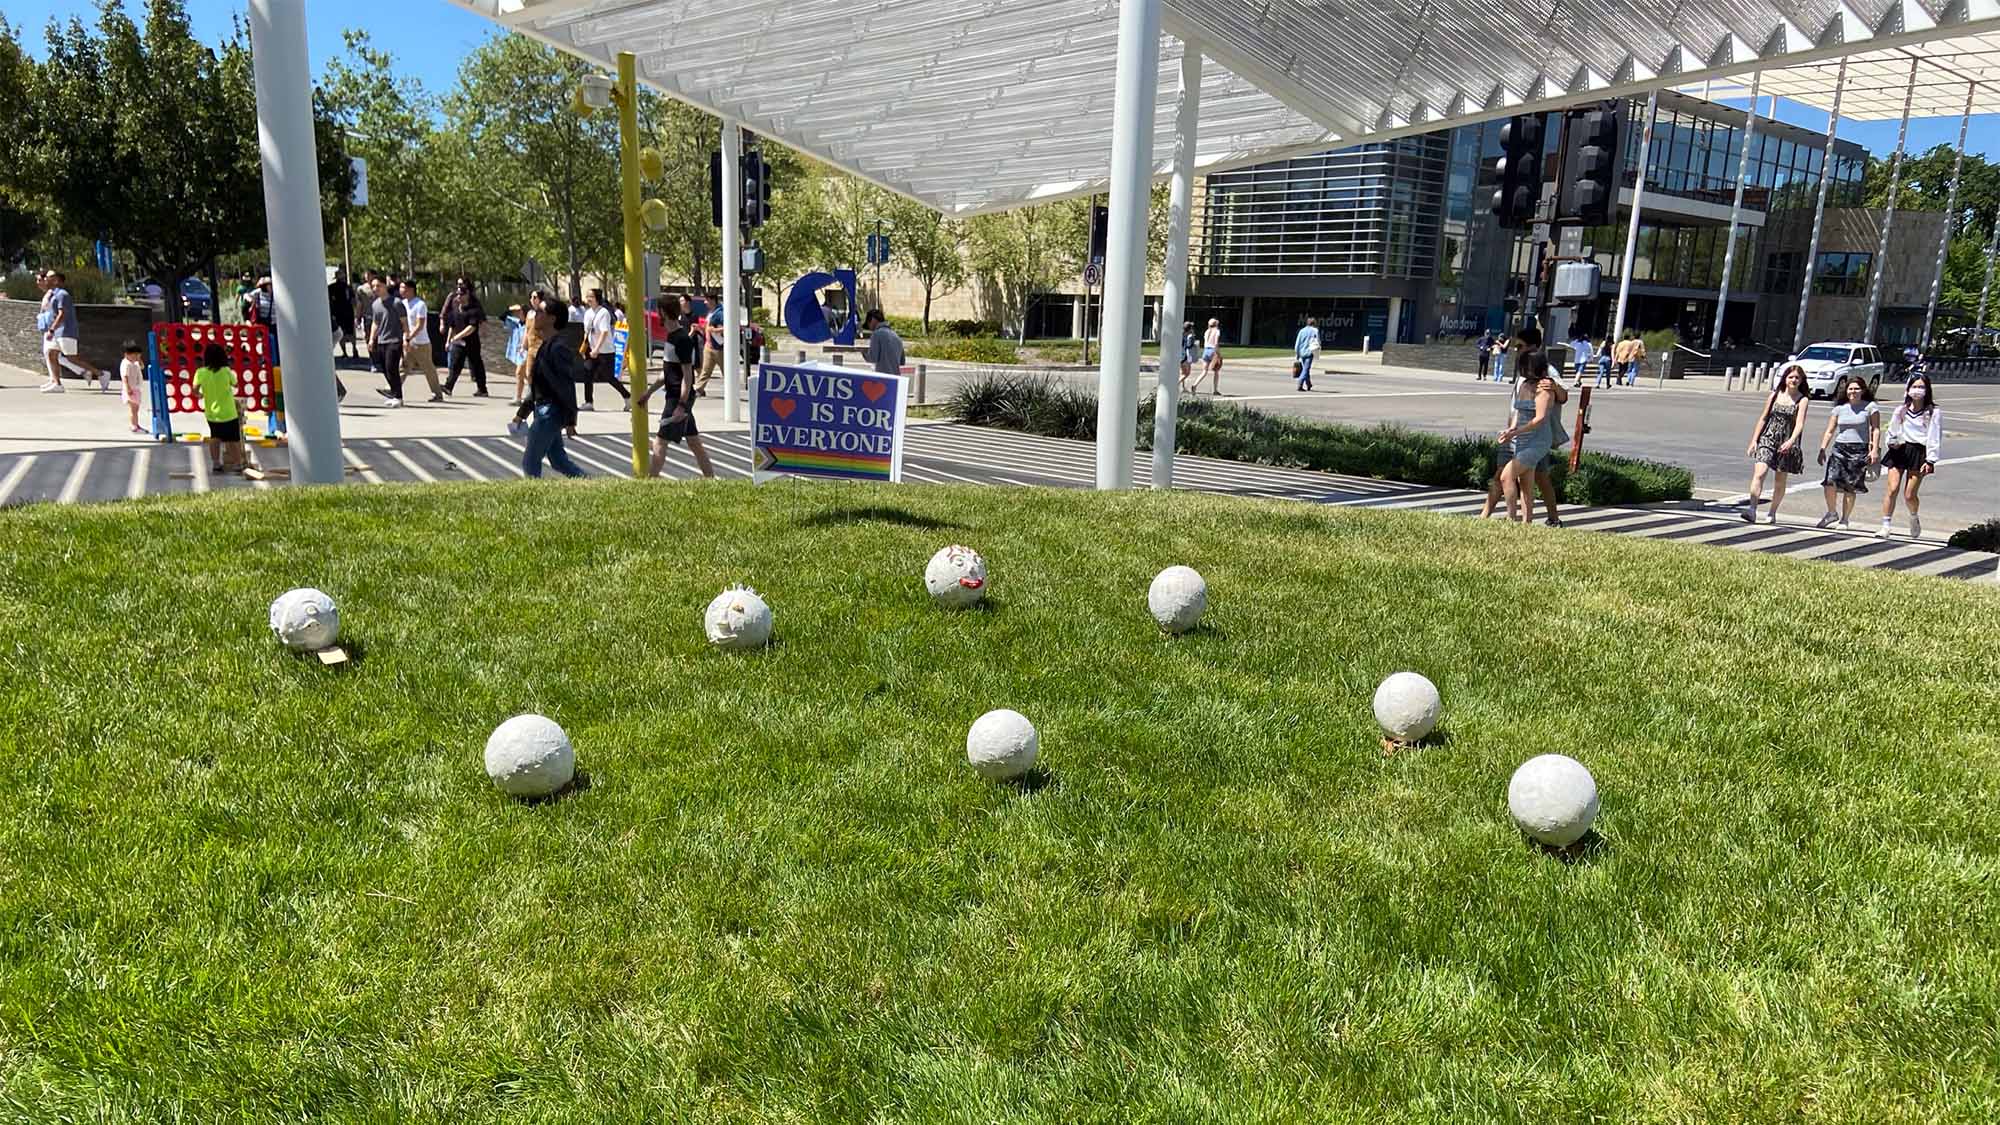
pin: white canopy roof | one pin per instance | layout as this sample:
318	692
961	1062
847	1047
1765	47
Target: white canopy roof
1945	71
982	105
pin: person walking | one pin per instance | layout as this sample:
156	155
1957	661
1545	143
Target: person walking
340	304
711	332
417	339
1916	439
1189	345
1486	342
597	355
885	347
677	423
1580	355
517	347
387	319
1604	364
1534	429
1305	349
1211	357
1500	360
62	342
1777	441
550	408
460	320
1853	429
1629	355
537	332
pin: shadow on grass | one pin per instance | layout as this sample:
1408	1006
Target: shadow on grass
1032	782
1440	739
878	514
1589	849
355	648
578	783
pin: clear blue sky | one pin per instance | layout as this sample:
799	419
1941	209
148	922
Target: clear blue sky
429	37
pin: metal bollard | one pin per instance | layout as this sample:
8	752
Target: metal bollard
802	355
921	373
839	360
1729	378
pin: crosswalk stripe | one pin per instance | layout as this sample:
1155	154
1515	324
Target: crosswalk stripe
79	471
403	459
456	463
513	468
142	463
14	477
366	473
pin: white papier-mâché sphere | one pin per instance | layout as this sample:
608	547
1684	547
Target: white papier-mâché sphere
956	577
1553	798
529	756
1178	598
1407	706
738	619
305	620
1001	745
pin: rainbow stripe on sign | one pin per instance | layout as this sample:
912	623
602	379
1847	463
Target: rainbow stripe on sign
854	466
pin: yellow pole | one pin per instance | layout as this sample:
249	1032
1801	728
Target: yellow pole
637	334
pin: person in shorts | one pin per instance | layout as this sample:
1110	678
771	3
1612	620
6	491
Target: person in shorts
132	380
1853	431
217	385
678	377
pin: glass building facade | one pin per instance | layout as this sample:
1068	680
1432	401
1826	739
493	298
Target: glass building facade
1402	230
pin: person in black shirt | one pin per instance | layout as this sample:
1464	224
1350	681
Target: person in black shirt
678	376
552	402
461	317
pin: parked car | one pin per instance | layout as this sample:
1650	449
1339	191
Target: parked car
1827	364
196	300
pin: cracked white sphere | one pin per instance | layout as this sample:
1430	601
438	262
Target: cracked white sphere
305	620
529	756
1407	706
956	577
738	619
1553	798
1002	745
1178	598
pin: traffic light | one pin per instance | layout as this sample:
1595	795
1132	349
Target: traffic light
1518	175
1590	164
756	189
715	186
1100	219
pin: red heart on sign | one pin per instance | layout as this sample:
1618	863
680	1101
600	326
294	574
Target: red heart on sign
783	407
873	389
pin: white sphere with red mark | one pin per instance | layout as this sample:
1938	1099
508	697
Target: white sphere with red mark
738	619
305	620
529	756
1553	798
956	577
1002	745
1178	598
1407	706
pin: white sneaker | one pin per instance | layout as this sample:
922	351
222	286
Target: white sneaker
104	385
1827	520
52	388
1771	518
1883	531
1846	526
587	406
1916	528
392	403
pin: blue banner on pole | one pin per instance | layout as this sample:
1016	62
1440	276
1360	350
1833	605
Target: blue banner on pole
818	420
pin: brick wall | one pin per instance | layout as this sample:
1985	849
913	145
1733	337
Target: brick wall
100	329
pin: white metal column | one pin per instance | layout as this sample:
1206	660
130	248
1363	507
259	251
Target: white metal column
1881	262
732	266
1173	294
1735	215
1819	208
1950	218
1137	88
1992	251
283	74
1632	227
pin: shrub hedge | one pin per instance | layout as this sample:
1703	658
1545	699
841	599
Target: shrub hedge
972	350
1055	408
1978	537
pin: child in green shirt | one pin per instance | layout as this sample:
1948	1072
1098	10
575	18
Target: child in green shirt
217	384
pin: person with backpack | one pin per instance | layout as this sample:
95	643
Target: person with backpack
550	407
1777	441
1916	440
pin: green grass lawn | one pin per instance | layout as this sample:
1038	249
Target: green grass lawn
235	885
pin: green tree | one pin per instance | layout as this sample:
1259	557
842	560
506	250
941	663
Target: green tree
148	138
20	202
1020	254
928	247
513	102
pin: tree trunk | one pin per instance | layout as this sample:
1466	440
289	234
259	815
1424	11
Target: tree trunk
410	255
214	292
927	310
575	259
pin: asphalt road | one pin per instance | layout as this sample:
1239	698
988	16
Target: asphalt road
1693	423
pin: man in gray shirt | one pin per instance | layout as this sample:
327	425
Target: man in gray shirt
885	348
387	320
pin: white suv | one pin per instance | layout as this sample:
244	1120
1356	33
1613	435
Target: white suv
1826	365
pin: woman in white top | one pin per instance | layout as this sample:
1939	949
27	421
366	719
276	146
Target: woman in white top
1916	438
1211	356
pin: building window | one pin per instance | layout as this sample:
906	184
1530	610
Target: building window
1781	272
1842	274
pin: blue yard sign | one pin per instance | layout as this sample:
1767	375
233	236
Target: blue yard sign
819	420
